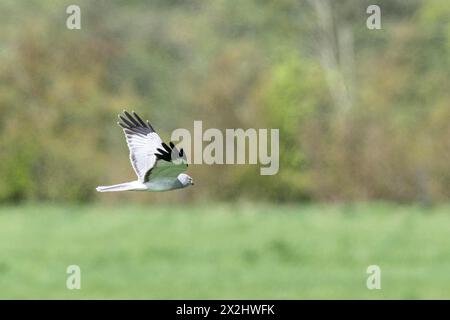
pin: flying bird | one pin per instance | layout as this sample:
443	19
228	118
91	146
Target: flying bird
158	166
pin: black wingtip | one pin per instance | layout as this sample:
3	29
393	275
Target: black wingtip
134	122
140	120
168	149
132	119
126	121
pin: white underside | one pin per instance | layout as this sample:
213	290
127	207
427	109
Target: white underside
158	185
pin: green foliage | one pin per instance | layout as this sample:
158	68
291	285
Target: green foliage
362	114
215	251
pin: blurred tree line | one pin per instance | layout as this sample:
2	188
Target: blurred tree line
363	114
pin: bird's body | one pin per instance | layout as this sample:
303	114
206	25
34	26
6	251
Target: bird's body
163	185
159	185
157	166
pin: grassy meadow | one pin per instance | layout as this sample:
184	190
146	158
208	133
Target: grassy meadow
224	251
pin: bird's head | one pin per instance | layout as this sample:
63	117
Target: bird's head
185	180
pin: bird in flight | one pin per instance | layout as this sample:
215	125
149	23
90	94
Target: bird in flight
158	166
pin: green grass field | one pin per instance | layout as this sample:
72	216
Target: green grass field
218	251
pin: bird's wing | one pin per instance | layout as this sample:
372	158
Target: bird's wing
169	164
142	141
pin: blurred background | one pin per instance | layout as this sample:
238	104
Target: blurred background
364	148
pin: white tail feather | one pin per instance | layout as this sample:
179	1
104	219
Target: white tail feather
128	186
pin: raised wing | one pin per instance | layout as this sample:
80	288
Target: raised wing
142	141
170	163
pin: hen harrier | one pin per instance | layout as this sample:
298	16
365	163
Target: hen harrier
159	167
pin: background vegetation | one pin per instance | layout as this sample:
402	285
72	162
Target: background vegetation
364	148
362	114
232	252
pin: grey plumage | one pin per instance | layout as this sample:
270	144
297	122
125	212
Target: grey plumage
158	166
